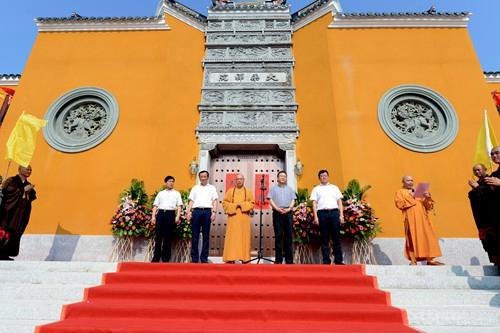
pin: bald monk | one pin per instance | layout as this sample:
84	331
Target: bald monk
484	210
421	241
238	204
493	181
15	209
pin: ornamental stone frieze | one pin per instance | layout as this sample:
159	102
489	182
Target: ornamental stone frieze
249	25
254	53
248	75
248	39
248	97
247	120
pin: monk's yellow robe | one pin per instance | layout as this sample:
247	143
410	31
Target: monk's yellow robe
237	204
419	231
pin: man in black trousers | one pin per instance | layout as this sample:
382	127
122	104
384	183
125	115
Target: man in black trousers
166	214
327	208
282	199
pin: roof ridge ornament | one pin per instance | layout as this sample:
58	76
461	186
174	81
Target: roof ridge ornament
246	4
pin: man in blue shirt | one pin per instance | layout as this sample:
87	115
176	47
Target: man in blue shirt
282	199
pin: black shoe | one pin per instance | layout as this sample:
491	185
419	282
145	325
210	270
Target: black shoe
339	263
155	260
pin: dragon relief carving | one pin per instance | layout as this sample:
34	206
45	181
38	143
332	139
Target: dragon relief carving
85	120
413	118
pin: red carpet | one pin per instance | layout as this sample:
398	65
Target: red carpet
209	298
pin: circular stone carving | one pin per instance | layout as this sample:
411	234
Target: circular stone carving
80	119
418	118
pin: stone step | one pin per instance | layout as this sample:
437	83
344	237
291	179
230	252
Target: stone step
57	266
423	270
462	316
55	292
20	326
407	297
32	310
61	278
458	329
401	281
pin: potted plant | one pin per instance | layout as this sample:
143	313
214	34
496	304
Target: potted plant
131	220
360	223
305	232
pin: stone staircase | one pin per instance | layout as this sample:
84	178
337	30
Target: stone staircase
442	299
32	293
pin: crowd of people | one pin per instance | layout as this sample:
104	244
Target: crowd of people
421	244
238	205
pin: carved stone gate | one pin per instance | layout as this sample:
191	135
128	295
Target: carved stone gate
247	103
223	171
248	95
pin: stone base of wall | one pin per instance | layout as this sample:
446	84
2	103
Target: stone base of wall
388	251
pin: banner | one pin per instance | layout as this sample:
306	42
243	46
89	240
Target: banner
261	179
5	99
486	140
21	144
496	98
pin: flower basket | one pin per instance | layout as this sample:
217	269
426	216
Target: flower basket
150	249
304	254
182	251
360	223
362	252
305	232
132	220
123	249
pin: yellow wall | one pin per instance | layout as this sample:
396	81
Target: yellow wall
494	86
341	74
156	78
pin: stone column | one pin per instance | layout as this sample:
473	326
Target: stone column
204	157
290	160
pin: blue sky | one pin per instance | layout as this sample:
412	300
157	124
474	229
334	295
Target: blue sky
19	30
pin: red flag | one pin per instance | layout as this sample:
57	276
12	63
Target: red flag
259	203
8	91
496	98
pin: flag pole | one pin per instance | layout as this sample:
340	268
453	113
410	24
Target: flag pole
7	170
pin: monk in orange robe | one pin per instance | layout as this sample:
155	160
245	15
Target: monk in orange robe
238	204
421	241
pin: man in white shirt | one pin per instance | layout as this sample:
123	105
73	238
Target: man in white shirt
202	209
166	214
327	208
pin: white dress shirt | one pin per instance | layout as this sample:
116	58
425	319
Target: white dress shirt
203	196
168	200
326	196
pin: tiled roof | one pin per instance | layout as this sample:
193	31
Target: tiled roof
10	76
405	14
492	77
309	9
75	19
186	11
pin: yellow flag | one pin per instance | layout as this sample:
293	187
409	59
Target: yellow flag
486	140
22	140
